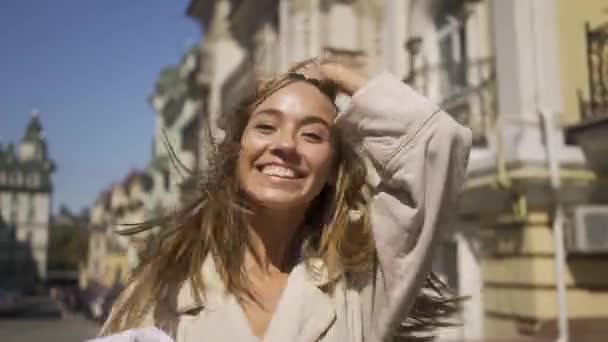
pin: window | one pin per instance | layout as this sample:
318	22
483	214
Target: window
14	205
451	27
166	180
190	135
96	267
31	213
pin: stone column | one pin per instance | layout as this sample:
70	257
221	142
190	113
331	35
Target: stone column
227	54
314	48
284	33
528	77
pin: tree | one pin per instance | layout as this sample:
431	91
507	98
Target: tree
68	246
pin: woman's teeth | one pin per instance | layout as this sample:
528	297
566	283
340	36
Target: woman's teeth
278	171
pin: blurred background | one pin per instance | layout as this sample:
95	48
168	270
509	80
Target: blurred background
90	90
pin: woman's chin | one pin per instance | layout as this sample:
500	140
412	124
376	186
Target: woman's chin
279	200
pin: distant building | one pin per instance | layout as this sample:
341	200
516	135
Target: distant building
25	201
112	257
177	100
144	195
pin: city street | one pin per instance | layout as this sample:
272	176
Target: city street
457	147
71	328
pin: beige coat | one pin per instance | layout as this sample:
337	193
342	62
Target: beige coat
417	159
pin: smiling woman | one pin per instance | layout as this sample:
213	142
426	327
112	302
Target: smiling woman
311	224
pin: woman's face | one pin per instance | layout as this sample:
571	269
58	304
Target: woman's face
288	148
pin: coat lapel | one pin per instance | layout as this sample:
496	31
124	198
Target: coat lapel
305	311
214	318
214	295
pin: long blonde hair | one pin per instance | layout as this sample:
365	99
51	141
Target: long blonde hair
211	223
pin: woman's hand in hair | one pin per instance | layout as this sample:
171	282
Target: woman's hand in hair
347	79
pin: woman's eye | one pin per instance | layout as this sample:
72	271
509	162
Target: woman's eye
313	137
264	128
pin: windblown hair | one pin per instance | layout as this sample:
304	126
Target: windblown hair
211	222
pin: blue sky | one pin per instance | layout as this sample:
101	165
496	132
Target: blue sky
88	67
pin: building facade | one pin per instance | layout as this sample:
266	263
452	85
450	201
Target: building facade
177	100
111	256
147	194
25	203
445	51
520	74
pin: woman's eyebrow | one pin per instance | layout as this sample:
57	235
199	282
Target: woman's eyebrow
311	119
268	111
307	120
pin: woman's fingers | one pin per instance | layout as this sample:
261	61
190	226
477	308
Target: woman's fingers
312	70
347	79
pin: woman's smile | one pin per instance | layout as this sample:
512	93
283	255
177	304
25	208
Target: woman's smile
281	171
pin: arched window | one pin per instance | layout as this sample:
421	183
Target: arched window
18	178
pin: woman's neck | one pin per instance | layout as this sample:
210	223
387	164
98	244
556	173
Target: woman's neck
273	233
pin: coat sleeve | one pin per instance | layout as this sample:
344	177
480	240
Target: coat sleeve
417	156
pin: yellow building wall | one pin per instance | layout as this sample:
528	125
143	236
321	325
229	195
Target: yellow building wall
518	272
541	303
572	15
116	269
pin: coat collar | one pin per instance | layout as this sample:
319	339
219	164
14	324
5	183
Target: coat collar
214	290
304	313
316	275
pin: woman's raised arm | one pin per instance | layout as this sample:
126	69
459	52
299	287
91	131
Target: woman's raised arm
418	156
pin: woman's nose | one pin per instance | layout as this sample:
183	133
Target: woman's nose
284	142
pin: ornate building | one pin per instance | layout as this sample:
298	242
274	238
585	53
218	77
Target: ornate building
177	100
514	72
25	203
443	50
111	256
148	193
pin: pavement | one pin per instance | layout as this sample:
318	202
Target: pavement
69	328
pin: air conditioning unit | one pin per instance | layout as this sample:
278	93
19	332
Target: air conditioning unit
588	231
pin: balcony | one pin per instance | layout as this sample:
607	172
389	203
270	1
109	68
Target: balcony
465	89
591	133
596	105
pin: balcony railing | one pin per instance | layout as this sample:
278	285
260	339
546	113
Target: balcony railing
595	105
467	90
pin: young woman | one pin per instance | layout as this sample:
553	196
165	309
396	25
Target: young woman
311	224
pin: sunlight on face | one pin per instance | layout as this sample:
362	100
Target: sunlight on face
288	148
